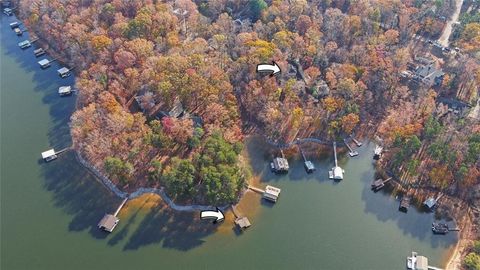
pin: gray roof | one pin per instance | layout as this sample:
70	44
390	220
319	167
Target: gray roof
280	163
243	222
430	202
108	222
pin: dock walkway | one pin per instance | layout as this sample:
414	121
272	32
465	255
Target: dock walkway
259	190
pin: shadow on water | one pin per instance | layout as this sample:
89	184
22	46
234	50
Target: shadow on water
178	230
78	194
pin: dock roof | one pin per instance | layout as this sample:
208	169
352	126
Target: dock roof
280	164
272	190
48	153
430	202
422	263
108	222
243	222
44	62
63	70
64	89
337	173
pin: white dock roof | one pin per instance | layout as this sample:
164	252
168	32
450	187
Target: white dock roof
48	153
43	62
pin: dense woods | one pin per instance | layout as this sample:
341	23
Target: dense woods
168	90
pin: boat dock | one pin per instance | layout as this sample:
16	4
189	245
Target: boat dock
241	221
109	221
45	63
417	262
309	167
280	164
270	193
51	154
351	152
379	184
336	173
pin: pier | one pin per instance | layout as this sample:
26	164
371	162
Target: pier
351	152
356	142
336	173
109	221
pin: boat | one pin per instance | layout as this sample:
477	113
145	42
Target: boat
412	261
18	31
439	228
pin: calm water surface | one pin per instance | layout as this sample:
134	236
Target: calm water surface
49	211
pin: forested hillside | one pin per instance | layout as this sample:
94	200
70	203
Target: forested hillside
168	89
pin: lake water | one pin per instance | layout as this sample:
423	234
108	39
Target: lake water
49	211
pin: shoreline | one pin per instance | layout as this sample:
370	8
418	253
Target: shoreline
455	261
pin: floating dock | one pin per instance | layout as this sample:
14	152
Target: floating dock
109	221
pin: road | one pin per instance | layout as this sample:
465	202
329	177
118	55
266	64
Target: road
443	40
